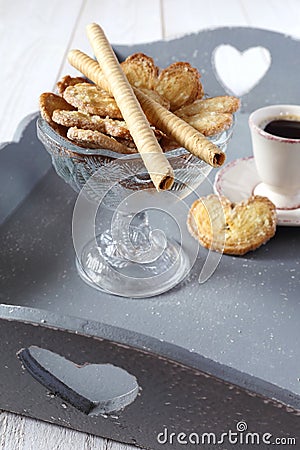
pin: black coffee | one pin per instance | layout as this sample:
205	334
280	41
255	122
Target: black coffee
286	128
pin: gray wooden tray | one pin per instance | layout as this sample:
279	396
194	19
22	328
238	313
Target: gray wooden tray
205	356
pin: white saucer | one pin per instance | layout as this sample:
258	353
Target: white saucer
237	180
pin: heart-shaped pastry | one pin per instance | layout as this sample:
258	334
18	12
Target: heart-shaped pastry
239	72
230	228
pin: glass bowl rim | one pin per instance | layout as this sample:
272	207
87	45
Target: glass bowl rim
45	128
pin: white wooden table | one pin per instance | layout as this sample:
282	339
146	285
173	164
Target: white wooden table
35	37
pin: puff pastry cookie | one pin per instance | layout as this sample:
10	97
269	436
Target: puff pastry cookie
234	229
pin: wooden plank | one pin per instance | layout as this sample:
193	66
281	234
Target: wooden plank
124	22
18	432
34	37
11	431
274	15
194	15
37	433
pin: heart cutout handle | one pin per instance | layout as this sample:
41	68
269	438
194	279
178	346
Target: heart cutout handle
93	389
239	72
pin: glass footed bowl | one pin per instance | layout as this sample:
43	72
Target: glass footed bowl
129	258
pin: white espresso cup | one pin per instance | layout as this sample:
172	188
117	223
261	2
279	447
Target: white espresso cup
277	159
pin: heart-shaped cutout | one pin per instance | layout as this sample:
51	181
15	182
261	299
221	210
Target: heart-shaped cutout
239	72
230	228
94	389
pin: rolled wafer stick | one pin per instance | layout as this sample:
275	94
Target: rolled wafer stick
159	168
183	133
88	67
175	127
